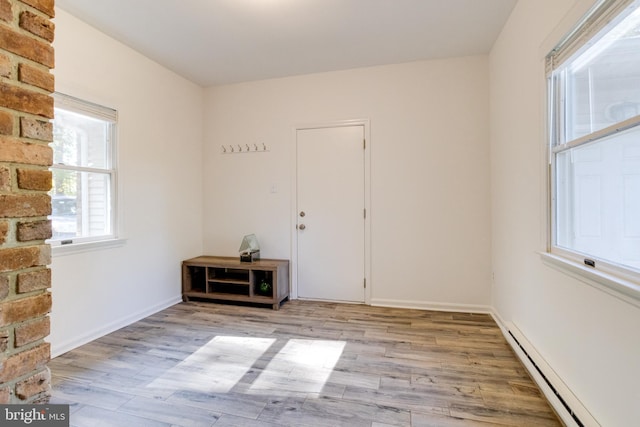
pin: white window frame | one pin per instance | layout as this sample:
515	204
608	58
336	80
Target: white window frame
84	243
611	278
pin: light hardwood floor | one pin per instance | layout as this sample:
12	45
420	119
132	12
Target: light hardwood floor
309	364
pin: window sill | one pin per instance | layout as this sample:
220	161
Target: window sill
620	288
76	248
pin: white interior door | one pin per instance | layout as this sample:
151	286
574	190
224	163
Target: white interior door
330	213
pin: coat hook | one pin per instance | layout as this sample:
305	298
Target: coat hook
264	147
247	145
239	148
255	147
224	150
231	146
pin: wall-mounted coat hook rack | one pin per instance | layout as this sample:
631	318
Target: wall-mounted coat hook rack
237	148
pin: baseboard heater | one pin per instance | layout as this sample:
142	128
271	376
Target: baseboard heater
569	408
546	380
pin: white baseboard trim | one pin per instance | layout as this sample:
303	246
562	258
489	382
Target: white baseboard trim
426	305
60	348
564	402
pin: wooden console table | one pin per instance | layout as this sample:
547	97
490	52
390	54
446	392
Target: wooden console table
264	281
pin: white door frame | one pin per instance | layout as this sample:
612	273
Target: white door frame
367	201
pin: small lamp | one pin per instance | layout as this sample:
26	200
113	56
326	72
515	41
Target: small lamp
249	249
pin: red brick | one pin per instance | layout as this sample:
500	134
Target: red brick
30	332
34	230
45	6
19	205
6	13
26	83
34	179
4	287
26	46
37	25
5	395
15	150
6	123
36	129
4	340
24	257
5	179
4	231
34	385
19	310
34	281
24	362
6	67
28	101
36	77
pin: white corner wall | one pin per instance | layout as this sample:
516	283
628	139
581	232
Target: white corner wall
430	198
589	338
160	177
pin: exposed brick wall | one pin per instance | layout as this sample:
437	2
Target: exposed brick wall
26	107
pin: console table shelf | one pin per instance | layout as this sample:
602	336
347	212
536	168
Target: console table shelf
264	281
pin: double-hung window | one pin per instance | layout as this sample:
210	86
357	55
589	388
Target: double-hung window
594	134
84	172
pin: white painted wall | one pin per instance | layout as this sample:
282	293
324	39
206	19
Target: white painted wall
430	193
588	337
435	222
160	173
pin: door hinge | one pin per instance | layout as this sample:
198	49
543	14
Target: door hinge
365	282
365	213
364	144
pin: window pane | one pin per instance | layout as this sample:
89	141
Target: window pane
598	199
80	204
602	81
80	140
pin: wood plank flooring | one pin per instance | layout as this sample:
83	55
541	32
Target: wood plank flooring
309	364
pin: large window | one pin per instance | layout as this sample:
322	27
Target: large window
84	173
594	91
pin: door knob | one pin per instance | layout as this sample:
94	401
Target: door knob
302	214
302	227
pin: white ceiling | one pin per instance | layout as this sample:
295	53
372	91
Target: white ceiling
214	42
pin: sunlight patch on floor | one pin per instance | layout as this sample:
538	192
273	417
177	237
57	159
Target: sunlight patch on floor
301	366
215	367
